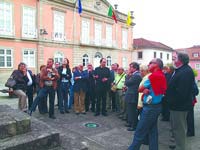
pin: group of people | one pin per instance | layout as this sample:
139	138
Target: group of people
140	92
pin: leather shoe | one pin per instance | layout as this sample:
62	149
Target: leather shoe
190	134
66	111
127	125
84	113
29	112
62	112
97	114
131	129
172	146
52	117
104	114
164	119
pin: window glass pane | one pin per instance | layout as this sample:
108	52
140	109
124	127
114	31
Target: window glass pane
1	51
29	57
5	18
31	52
25	52
59	25
9	64
124	39
2	61
98	31
58	57
8	52
29	23
85	37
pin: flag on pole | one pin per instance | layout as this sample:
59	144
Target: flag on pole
79	7
111	13
128	20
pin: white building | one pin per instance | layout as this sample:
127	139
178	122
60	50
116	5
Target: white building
145	51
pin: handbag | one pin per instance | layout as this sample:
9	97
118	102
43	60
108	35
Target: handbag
114	86
10	82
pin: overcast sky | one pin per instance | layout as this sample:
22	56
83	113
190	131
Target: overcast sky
175	23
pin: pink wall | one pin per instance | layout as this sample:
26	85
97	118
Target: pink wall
50	51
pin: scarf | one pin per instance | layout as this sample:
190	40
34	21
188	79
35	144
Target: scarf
158	82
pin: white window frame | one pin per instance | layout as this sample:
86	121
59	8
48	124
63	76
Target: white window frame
97	33
195	55
6	18
59	26
197	66
29	56
58	57
85	31
109	61
5	55
124	38
29	22
85	60
109	35
124	62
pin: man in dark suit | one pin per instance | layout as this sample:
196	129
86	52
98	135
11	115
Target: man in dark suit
102	76
132	82
90	94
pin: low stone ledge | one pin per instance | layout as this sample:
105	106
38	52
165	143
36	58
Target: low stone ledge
13	122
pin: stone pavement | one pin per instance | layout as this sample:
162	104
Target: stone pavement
109	135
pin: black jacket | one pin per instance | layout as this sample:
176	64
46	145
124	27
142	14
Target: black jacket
180	89
21	80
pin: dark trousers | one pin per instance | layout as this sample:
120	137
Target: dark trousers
132	113
29	93
101	101
190	123
90	99
42	105
113	100
147	126
71	96
63	98
165	110
47	90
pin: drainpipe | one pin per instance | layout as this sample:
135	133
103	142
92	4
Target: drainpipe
38	33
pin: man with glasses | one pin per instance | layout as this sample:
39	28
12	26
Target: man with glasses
179	95
153	90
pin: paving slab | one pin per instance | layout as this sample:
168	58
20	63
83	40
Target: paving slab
109	135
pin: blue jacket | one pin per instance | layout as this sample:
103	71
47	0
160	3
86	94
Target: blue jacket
80	84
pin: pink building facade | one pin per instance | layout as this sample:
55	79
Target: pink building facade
194	54
32	31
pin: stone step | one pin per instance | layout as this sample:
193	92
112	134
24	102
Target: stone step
40	137
13	122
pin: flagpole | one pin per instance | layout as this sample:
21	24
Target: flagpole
74	30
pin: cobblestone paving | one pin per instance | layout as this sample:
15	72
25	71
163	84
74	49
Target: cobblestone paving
110	135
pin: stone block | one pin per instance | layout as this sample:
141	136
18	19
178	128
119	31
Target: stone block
13	122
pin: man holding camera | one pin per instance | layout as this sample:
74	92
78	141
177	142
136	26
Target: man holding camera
48	84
